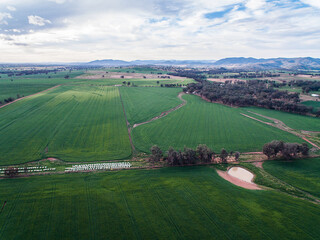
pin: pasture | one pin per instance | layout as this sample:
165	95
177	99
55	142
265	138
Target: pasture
170	203
201	122
294	121
72	123
142	104
301	173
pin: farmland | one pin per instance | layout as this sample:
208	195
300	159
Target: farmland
200	122
27	85
186	203
314	104
294	121
142	104
303	174
70	122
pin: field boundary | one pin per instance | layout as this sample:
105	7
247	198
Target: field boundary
128	124
30	96
165	113
280	125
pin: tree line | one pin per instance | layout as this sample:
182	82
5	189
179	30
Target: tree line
249	93
189	156
285	150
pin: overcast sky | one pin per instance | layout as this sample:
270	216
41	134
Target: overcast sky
85	30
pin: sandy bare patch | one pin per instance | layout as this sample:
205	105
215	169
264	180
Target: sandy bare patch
237	181
125	75
258	164
222	80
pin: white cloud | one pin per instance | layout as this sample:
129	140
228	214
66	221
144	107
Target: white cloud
3	17
314	3
36	20
159	29
11	8
58	1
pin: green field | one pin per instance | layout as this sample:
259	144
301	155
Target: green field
314	104
294	121
145	70
303	174
142	104
174	203
30	84
201	122
138	82
73	123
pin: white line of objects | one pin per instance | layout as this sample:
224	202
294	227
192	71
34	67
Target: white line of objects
30	169
98	166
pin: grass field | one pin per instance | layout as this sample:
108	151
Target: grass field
294	121
201	122
142	104
175	203
314	104
70	122
303	174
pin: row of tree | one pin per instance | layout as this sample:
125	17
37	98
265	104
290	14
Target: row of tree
189	156
285	150
249	93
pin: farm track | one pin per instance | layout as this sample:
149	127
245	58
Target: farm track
30	96
280	125
163	114
128	125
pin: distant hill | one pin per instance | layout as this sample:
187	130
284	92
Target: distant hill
271	63
306	63
110	62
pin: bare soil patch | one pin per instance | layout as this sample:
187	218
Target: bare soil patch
123	75
238	182
223	80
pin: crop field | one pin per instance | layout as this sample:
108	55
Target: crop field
27	85
71	123
145	70
314	104
303	174
200	122
174	203
142	104
133	81
294	121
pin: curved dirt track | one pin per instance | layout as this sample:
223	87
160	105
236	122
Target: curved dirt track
30	96
281	125
163	114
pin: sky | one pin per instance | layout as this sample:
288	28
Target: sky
86	30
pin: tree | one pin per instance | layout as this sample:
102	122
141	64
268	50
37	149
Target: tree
11	172
268	150
156	154
304	149
128	83
236	156
223	155
66	76
189	156
204	153
158	82
124	82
